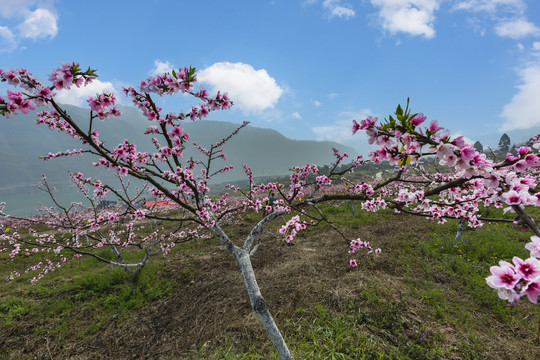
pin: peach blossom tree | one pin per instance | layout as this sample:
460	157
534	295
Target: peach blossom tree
469	181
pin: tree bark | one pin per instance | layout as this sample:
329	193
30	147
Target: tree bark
527	219
461	227
259	305
255	297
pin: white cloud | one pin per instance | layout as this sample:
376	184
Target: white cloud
316	103
509	16
161	67
332	95
40	23
296	115
355	115
413	17
477	25
251	90
77	96
7	40
37	23
341	11
11	8
341	130
536	45
522	111
335	8
491	5
516	28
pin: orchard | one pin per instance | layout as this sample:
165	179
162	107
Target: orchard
437	176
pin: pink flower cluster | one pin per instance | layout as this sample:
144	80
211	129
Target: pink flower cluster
522	278
67	75
38	94
170	83
359	244
291	228
15	100
101	104
477	178
473	180
50	156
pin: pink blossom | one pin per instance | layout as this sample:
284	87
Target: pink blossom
26	106
368	123
11	77
534	246
355	127
418	119
512	197
521	165
511	157
449	160
467	153
504	276
177	130
531	159
461	164
445	150
532	289
528	269
492	181
434	126
353	263
523	150
459	141
115	112
509	295
44	92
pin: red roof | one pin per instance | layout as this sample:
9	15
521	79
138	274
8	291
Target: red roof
158	203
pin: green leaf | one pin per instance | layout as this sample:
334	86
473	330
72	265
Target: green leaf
190	74
399	110
407	107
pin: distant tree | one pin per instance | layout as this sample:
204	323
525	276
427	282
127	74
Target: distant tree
504	143
325	170
478	146
530	142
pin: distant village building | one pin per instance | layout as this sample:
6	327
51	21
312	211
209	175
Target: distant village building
103	204
157	204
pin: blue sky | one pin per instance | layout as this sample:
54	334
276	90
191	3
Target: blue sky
304	68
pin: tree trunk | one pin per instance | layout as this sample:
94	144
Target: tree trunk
461	227
259	305
526	219
255	297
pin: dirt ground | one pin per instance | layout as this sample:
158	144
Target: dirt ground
210	303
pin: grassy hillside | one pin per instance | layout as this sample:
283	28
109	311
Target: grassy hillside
424	297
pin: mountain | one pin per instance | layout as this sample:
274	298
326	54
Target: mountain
266	151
